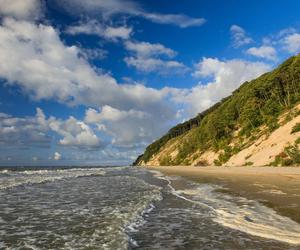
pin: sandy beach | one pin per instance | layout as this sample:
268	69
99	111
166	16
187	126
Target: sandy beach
275	187
278	172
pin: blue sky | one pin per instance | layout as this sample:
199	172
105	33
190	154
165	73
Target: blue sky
93	82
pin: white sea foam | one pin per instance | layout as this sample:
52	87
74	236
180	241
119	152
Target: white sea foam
239	213
145	207
118	168
135	217
2	245
4	171
274	191
139	219
17	178
111	209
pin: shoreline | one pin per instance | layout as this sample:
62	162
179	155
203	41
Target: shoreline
244	170
275	187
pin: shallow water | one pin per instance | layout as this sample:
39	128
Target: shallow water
130	208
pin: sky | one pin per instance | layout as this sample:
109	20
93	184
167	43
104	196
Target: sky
93	82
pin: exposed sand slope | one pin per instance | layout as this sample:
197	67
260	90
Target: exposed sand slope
208	157
261	153
264	150
169	149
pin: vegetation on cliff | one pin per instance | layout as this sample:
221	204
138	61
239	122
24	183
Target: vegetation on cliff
230	124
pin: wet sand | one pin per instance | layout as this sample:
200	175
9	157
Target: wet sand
275	187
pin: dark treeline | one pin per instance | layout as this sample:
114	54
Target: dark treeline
175	132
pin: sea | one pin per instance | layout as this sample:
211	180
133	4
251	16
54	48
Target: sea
131	208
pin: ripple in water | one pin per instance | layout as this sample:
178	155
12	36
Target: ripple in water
128	208
75	208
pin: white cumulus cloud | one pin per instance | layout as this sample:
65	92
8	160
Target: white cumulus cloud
149	57
292	43
35	131
126	128
226	77
267	52
57	156
93	27
21	9
24	132
146	49
239	36
74	133
34	58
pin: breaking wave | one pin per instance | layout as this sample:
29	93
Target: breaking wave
10	179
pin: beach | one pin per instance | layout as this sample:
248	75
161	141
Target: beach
274	187
155	208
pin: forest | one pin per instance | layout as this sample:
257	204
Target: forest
254	104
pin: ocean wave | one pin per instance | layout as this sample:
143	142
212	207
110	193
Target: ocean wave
139	214
4	171
130	214
87	212
12	179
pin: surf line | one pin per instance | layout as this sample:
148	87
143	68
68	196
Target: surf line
158	175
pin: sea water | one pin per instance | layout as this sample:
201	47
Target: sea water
131	208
